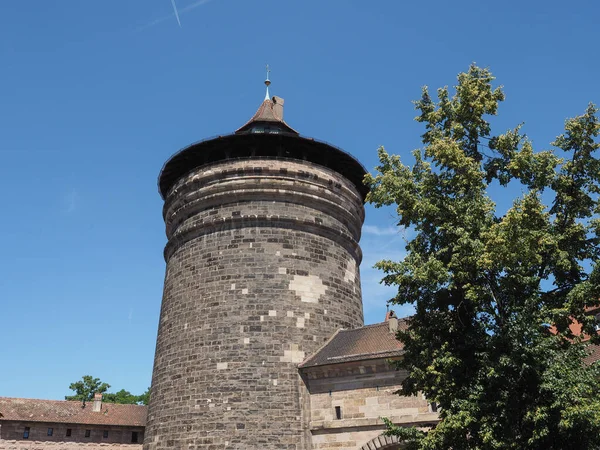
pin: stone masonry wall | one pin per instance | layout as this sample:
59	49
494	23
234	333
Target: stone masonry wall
49	445
262	267
364	392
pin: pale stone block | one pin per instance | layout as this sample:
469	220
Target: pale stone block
350	271
308	288
272	313
221	366
294	356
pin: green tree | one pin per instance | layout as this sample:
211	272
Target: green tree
122	396
144	399
488	285
86	388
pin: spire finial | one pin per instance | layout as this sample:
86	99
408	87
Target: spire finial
267	83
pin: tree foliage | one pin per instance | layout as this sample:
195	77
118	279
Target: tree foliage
144	398
495	292
122	396
88	386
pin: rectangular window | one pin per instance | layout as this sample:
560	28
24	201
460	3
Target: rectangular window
68	432
26	433
87	433
105	434
50	431
134	437
434	407
338	412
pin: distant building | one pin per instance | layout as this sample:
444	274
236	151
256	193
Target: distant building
41	424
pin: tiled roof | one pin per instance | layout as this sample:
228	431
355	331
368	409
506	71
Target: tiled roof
266	113
368	342
594	354
61	411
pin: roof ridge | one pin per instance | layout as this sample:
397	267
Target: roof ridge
371	325
43	399
66	401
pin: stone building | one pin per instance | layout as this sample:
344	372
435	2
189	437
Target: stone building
30	424
352	384
263	262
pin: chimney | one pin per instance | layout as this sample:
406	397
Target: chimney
392	321
278	107
97	403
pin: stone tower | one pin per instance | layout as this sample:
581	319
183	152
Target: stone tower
262	267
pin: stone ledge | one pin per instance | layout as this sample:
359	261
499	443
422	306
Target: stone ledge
409	419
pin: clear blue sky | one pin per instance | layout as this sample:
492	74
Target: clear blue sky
95	95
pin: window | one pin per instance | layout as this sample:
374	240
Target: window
26	433
105	434
338	412
597	317
50	431
134	437
434	407
87	433
68	432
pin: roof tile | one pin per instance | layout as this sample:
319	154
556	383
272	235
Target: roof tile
62	411
368	342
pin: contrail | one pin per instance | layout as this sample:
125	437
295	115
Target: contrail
176	13
181	11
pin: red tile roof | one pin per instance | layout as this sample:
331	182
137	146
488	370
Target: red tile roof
61	411
368	342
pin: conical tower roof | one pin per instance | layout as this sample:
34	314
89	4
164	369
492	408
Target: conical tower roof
268	119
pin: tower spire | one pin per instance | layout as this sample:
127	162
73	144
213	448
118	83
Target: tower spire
267	83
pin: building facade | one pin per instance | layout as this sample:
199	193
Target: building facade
53	424
353	383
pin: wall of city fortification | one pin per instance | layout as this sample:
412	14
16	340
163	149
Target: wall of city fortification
49	445
262	268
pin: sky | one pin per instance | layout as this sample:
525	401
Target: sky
95	95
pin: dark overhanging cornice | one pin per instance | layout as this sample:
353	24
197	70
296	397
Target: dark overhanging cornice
258	145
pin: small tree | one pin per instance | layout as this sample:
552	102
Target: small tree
487	286
86	388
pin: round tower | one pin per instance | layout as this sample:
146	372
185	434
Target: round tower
262	267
